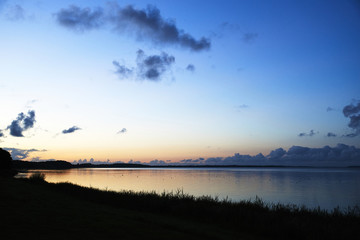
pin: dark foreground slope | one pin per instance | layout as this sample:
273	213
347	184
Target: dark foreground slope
43	210
33	210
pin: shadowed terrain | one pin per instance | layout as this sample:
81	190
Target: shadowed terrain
34	208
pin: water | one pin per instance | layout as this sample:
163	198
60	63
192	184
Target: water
312	187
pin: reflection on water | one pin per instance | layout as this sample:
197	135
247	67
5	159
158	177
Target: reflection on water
322	187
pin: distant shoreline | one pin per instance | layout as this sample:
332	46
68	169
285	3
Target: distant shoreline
60	164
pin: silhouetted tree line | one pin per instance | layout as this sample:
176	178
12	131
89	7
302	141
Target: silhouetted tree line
6	166
17	164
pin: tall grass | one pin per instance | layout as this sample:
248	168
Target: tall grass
37	177
256	217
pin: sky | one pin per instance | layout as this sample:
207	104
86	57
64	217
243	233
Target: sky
180	81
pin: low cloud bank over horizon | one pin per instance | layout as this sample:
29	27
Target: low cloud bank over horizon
341	155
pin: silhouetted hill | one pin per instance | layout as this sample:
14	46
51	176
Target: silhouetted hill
60	164
17	164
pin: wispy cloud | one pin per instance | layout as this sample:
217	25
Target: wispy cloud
310	134
330	134
19	154
122	131
144	24
121	70
22	123
241	107
81	19
15	13
249	37
71	130
190	67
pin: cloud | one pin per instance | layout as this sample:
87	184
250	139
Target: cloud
329	109
352	111
242	106
310	134
330	134
121	70
22	123
15	13
71	130
152	67
147	67
1	133
92	161
339	156
190	68
19	154
146	24
30	103
239	108
149	24
124	130
79	19
157	162
249	37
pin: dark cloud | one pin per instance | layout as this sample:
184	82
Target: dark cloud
23	122
124	130
147	67
339	156
351	109
330	134
310	134
152	67
192	161
121	70
1	134
79	19
277	153
249	37
352	112
350	135
19	154
190	68
71	130
149	24
145	24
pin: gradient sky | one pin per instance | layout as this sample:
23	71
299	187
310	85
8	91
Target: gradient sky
240	77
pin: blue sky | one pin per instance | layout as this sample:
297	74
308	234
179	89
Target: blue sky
110	80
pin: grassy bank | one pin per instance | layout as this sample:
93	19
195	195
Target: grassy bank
63	210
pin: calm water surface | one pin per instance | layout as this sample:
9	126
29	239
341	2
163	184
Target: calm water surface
312	187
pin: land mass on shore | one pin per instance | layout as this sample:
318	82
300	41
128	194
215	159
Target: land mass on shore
41	210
